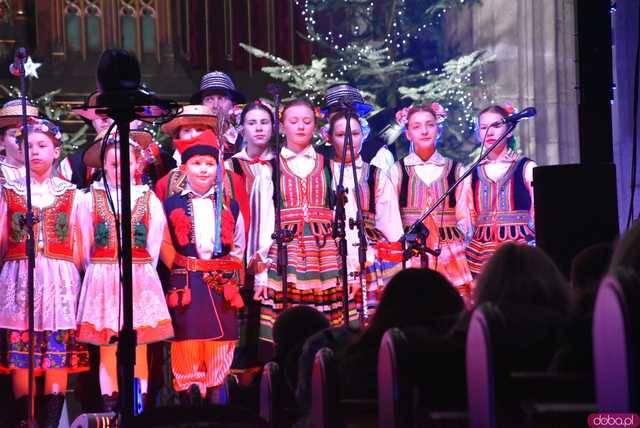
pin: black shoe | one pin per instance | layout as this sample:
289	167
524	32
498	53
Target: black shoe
110	403
53	404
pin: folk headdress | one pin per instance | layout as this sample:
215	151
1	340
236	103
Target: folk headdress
203	144
339	95
217	82
11	113
139	139
193	114
44	126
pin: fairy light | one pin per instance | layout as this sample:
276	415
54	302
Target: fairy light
349	54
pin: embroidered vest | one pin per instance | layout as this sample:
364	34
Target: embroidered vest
416	196
307	200
104	235
181	225
243	169
53	233
503	206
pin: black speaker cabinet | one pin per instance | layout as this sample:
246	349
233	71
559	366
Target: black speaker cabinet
575	206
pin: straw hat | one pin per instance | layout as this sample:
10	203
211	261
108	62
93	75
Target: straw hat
338	94
11	113
140	139
216	82
191	115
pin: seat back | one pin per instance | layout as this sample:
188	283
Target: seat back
395	401
480	366
270	402
613	358
325	400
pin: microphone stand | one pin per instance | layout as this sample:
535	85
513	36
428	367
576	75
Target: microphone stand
127	338
28	221
339	230
281	235
219	172
415	238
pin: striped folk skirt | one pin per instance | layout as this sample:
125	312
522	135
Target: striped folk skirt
487	239
313	270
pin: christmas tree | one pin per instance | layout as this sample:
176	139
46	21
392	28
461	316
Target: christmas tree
393	51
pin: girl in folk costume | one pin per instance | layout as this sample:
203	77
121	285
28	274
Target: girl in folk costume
256	128
379	205
306	210
502	192
256	122
422	177
203	247
56	276
12	163
99	310
257	155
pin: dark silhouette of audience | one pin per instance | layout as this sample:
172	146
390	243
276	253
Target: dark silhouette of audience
290	330
412	298
587	270
532	296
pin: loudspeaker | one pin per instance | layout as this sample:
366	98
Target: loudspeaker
575	206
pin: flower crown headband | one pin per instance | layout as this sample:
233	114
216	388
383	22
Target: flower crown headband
45	126
402	116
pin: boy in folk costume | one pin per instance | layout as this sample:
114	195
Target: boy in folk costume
203	246
192	122
56	276
12	163
99	320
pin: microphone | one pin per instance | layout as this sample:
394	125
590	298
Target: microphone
516	117
18	60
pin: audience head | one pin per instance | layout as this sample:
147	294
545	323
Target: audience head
521	274
588	268
415	297
625	261
294	325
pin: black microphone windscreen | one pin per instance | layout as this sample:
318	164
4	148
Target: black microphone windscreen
118	70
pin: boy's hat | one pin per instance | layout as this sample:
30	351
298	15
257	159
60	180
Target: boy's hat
194	114
203	144
138	138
